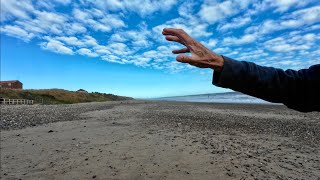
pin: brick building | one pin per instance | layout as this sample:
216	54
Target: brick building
15	84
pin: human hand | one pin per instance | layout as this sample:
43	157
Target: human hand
200	57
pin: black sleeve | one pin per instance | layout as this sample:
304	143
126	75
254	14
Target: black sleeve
299	90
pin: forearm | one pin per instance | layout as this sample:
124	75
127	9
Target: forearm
271	84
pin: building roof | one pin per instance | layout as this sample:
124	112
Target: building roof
11	81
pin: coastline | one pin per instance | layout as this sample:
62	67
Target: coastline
159	140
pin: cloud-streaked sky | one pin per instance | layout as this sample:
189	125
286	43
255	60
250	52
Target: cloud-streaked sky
116	46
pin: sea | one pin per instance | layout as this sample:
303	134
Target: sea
229	97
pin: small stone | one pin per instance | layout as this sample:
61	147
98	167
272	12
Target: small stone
50	131
229	174
94	176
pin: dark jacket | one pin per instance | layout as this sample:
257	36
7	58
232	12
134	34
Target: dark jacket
299	90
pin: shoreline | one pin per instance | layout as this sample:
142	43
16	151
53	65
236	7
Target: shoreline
232	103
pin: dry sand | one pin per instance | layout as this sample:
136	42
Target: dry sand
159	140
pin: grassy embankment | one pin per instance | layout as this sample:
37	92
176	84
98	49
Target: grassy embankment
59	96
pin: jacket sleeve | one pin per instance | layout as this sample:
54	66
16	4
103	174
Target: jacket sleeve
299	90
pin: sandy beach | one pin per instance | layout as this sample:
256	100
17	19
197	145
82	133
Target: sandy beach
159	140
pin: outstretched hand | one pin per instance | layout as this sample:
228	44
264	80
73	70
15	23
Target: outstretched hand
200	57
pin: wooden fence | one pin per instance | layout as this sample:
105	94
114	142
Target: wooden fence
16	101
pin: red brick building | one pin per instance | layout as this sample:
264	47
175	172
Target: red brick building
15	84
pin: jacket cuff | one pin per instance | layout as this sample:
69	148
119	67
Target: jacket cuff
231	70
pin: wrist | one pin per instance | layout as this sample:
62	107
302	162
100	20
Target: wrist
218	63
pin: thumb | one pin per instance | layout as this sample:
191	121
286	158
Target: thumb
184	58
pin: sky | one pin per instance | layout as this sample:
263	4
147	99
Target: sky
116	46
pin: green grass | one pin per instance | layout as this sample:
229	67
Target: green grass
59	96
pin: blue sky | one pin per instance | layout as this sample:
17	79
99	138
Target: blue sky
116	46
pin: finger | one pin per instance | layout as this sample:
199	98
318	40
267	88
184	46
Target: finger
198	65
184	50
184	58
172	38
169	31
185	37
181	34
194	64
175	32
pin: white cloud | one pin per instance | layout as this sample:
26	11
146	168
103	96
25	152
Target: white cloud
222	50
284	5
73	41
302	17
87	52
112	20
98	21
191	25
186	9
85	41
15	9
210	43
75	28
213	11
235	23
44	23
137	39
50	17
142	61
145	7
288	44
102	50
248	38
16	31
250	54
115	59
312	28
63	2
141	7
50	5
119	49
56	46
296	19
118	37
49	21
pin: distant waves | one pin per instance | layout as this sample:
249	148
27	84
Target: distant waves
232	97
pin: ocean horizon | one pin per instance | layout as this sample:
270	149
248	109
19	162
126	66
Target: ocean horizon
228	97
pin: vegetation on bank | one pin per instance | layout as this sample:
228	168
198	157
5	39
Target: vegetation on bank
59	96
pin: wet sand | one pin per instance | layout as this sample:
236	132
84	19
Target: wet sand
159	140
